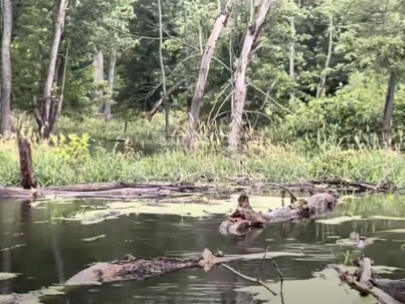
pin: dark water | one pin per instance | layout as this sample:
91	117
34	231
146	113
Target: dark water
54	250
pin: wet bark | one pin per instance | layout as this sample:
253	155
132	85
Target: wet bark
111	74
98	63
131	268
364	282
48	87
251	38
245	218
389	109
193	117
7	15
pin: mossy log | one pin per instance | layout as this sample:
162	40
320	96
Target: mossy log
131	268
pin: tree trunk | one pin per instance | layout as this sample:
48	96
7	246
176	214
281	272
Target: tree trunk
251	39
388	110
292	54
47	97
162	68
26	168
6	7
322	81
98	63
57	112
194	113
187	69
111	74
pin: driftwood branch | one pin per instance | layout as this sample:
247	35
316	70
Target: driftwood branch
281	281
258	280
250	279
362	288
363	281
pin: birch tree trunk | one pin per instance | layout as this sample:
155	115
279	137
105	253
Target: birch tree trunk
388	110
58	106
98	63
292	54
251	39
193	117
321	85
47	97
6	8
111	74
165	98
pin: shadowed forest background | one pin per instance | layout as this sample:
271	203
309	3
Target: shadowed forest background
321	76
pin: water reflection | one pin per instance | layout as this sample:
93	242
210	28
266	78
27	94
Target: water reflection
55	250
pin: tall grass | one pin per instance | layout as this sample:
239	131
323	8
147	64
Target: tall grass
274	163
71	162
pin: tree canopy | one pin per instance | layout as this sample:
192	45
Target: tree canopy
316	66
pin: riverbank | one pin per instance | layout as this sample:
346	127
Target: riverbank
71	163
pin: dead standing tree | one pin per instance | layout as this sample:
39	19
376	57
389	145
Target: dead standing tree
7	16
45	116
196	103
252	36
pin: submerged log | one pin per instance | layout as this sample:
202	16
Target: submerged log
245	218
364	280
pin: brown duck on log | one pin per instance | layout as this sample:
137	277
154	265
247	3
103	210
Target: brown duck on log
132	268
245	218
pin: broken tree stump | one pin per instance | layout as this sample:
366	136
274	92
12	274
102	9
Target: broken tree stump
26	169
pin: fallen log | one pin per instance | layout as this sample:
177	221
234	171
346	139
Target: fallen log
107	191
245	218
364	280
131	268
342	186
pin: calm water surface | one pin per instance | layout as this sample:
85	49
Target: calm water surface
48	251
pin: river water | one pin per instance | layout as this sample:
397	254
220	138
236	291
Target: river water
45	251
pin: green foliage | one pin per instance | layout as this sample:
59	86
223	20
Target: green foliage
367	43
73	149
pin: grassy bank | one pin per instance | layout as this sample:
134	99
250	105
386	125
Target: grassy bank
69	163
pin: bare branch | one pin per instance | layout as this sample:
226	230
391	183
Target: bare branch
250	279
